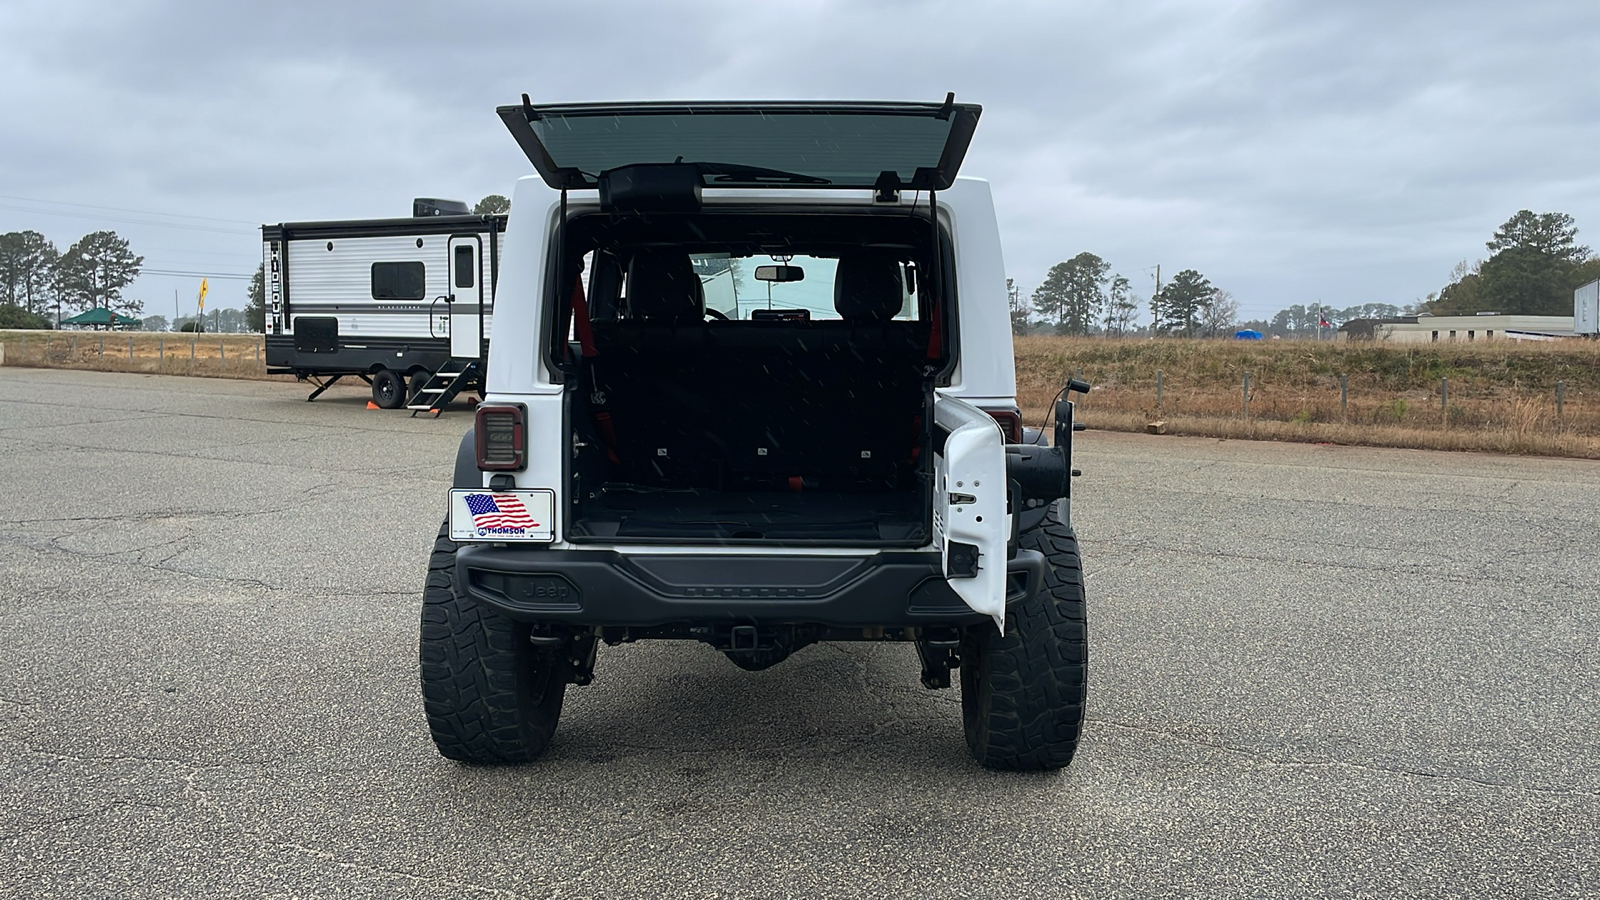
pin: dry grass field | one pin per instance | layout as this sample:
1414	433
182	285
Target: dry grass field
1501	395
1496	396
207	355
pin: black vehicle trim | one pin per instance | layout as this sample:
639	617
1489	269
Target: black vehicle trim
373	353
343	228
603	587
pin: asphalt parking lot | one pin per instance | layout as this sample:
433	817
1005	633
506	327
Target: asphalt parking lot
1315	671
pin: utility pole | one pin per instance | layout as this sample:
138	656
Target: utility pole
1155	304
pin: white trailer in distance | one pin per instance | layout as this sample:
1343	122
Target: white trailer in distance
403	304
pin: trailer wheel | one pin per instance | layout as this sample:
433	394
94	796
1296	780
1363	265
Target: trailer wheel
490	695
1022	693
389	389
419	380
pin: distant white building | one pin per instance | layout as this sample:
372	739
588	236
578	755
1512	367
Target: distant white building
1424	329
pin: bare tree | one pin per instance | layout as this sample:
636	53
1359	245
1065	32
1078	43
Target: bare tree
1219	316
1020	308
1122	307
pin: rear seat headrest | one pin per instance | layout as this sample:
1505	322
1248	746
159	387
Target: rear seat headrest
867	287
662	287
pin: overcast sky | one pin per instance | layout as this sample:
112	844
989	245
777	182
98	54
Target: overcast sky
1347	152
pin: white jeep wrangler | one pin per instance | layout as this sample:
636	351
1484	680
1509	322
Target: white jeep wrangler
751	384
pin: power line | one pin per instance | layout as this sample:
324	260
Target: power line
142	212
123	220
192	274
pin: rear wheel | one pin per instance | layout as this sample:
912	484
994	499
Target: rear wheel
491	696
1022	693
389	389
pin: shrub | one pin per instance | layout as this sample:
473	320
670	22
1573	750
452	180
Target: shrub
12	316
1393	411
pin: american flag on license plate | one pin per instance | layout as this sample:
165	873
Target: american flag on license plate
499	511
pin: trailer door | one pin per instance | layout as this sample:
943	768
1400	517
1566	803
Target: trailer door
466	296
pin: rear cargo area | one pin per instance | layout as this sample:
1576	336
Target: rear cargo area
778	431
697	429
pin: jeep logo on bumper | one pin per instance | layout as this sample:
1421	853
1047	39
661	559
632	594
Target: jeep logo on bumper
530	591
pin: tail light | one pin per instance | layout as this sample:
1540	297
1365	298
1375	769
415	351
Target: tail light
502	439
1010	422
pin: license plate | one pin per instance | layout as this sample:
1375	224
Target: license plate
485	515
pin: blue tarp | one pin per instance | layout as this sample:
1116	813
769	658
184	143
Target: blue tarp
1247	335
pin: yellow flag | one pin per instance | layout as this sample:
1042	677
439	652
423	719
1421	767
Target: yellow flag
202	293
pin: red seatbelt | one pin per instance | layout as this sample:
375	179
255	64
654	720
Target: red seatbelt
580	312
585	331
608	433
935	339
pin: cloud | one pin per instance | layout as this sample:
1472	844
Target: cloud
1291	151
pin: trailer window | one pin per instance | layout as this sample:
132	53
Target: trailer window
464	265
399	281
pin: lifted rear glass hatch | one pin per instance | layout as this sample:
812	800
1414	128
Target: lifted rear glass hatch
829	144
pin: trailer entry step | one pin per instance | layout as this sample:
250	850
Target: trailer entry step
439	390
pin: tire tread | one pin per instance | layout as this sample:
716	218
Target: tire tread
489	696
1023	696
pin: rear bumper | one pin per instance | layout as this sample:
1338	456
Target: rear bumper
604	588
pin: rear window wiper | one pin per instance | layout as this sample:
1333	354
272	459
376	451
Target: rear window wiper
732	173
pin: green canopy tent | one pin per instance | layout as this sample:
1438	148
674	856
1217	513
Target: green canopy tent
100	317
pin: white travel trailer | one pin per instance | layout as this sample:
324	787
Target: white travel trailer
404	304
1586	309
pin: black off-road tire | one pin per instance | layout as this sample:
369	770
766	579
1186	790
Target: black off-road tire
1022	694
491	696
389	389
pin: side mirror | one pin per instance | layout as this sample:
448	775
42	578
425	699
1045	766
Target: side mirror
780	274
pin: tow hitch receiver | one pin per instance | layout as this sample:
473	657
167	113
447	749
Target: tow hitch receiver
937	650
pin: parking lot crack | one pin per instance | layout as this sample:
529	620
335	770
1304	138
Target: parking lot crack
99	810
157	566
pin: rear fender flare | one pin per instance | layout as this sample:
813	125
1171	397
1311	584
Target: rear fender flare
468	475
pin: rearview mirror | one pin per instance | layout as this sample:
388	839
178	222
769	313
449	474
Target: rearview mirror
780	274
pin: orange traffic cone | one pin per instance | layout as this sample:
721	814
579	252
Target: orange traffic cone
371	405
